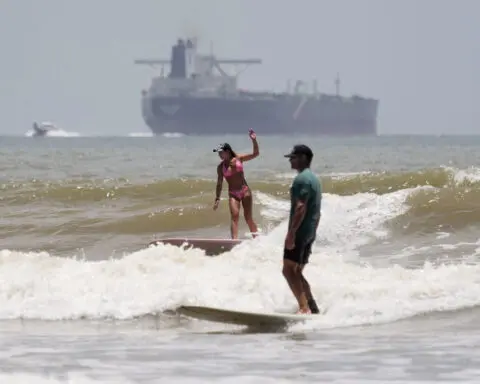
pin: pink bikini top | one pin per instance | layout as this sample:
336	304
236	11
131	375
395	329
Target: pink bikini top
229	172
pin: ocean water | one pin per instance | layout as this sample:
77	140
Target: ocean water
84	300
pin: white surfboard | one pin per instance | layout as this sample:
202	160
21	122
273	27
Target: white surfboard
210	246
243	317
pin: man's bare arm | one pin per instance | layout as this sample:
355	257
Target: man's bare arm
298	216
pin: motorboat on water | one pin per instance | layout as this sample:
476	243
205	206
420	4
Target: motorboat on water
43	128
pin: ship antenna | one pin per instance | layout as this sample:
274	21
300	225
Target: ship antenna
337	84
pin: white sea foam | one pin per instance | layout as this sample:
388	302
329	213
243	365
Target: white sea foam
37	285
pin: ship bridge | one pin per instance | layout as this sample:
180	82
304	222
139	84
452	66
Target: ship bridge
194	74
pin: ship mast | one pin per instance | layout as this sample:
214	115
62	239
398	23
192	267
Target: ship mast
337	84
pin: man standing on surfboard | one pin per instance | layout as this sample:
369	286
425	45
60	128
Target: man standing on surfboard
306	198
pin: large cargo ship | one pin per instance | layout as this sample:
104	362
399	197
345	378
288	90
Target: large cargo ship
198	97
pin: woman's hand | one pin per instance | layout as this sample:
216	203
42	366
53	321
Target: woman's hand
252	134
215	205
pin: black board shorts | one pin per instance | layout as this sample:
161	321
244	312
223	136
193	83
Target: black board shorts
301	253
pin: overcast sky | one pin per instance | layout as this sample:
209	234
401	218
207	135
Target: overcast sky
71	62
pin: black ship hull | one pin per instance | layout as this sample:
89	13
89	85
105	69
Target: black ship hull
327	115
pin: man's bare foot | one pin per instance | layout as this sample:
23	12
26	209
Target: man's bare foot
304	311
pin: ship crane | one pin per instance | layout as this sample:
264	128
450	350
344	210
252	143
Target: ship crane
154	62
247	62
151	62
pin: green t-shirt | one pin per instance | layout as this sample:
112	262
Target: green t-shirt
306	187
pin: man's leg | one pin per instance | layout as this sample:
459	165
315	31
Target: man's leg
312	304
292	270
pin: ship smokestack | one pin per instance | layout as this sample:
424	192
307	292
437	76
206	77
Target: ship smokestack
178	64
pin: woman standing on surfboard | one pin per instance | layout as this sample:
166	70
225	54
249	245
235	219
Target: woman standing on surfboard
231	168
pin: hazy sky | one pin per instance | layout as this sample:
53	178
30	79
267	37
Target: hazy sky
71	62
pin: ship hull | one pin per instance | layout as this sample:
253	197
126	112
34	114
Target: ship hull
281	115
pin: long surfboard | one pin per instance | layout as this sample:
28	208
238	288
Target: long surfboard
242	317
210	246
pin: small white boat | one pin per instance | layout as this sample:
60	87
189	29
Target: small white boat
42	129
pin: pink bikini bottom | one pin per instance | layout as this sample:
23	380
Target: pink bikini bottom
239	194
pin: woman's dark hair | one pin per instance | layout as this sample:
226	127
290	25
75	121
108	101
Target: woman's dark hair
225	147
